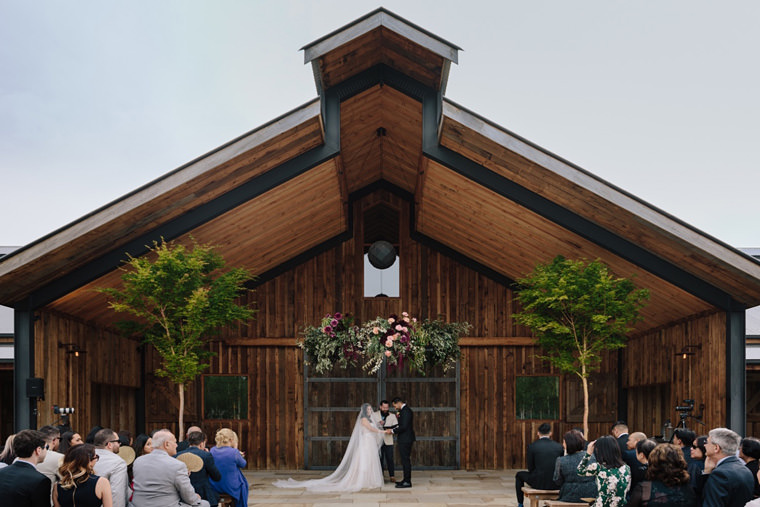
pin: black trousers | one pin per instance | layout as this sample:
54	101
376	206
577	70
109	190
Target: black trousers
520	479
405	450
386	455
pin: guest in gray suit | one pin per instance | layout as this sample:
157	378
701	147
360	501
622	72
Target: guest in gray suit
161	480
573	487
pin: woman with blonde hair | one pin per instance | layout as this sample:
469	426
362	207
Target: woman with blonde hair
229	460
79	486
7	456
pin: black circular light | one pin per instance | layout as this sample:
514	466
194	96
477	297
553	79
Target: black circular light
381	254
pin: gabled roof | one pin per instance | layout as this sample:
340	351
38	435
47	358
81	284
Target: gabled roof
283	191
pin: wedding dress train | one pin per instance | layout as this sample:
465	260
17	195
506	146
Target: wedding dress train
360	467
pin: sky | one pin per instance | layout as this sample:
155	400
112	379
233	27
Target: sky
658	98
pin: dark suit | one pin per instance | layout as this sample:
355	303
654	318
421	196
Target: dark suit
21	485
753	466
405	439
730	484
638	470
199	479
542	455
623	442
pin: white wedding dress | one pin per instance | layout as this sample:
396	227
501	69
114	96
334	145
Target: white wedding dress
360	467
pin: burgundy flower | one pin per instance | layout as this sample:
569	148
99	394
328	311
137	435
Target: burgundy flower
338	316
327	330
334	323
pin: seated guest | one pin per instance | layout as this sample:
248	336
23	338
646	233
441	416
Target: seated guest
229	460
21	485
143	444
667	480
542	456
638	469
69	439
161	480
727	481
697	464
7	456
683	438
79	485
111	466
620	432
643	448
197	445
749	451
613	476
573	487
49	467
184	444
90	438
125	438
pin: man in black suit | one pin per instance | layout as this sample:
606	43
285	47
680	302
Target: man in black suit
196	441
406	437
542	455
21	485
728	482
620	431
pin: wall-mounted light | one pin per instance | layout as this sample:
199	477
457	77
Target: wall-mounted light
72	348
689	350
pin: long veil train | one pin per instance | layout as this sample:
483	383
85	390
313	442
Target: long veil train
360	467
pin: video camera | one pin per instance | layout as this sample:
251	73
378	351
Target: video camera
62	410
685	409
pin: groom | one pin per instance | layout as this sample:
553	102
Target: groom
406	437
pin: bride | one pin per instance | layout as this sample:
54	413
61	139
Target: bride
360	467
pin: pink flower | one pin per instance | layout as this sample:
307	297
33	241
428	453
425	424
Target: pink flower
399	327
404	314
375	330
391	320
405	319
395	336
414	319
406	329
327	330
338	315
334	323
389	343
387	353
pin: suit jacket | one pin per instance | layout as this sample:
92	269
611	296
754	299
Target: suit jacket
730	484
753	466
199	479
21	485
405	428
623	442
542	456
390	422
113	468
161	481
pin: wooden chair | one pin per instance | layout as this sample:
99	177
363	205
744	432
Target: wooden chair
557	503
225	500
535	496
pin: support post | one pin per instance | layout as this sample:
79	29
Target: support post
736	371
25	408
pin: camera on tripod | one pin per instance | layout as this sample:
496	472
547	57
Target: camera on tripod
685	409
62	410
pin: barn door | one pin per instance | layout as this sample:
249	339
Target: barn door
332	402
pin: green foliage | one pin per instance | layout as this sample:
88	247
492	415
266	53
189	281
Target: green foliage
537	397
577	311
176	298
225	397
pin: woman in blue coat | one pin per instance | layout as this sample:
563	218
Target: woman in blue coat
229	460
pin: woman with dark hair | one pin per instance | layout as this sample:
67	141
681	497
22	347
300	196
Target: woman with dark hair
90	439
697	464
68	440
613	476
749	451
79	486
667	480
142	445
573	487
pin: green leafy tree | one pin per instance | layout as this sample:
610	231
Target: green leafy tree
578	310
176	298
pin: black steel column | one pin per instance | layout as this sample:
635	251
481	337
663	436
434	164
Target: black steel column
24	408
736	372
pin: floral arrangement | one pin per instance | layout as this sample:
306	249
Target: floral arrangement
394	341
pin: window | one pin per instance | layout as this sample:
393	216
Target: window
537	397
225	397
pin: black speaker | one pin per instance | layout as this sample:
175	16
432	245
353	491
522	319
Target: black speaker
35	388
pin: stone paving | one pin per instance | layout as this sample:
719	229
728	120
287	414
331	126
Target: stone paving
432	488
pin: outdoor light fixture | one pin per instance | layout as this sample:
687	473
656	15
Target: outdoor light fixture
687	350
72	348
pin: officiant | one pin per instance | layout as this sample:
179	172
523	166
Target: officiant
386	420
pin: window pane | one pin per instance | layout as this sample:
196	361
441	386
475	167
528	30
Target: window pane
225	397
537	397
381	281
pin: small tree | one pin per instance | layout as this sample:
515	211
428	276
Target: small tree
178	297
576	312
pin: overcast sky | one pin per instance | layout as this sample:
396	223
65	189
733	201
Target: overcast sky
659	98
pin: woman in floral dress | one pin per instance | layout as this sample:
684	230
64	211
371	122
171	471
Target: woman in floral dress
613	476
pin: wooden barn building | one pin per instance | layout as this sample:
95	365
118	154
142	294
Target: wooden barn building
382	154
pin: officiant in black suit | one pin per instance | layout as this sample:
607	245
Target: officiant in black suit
405	438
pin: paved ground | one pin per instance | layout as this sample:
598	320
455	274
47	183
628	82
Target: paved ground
431	488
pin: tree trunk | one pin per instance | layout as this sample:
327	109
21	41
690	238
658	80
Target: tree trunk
584	380
181	430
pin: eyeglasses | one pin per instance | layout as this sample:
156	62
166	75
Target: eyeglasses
47	447
94	458
114	441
